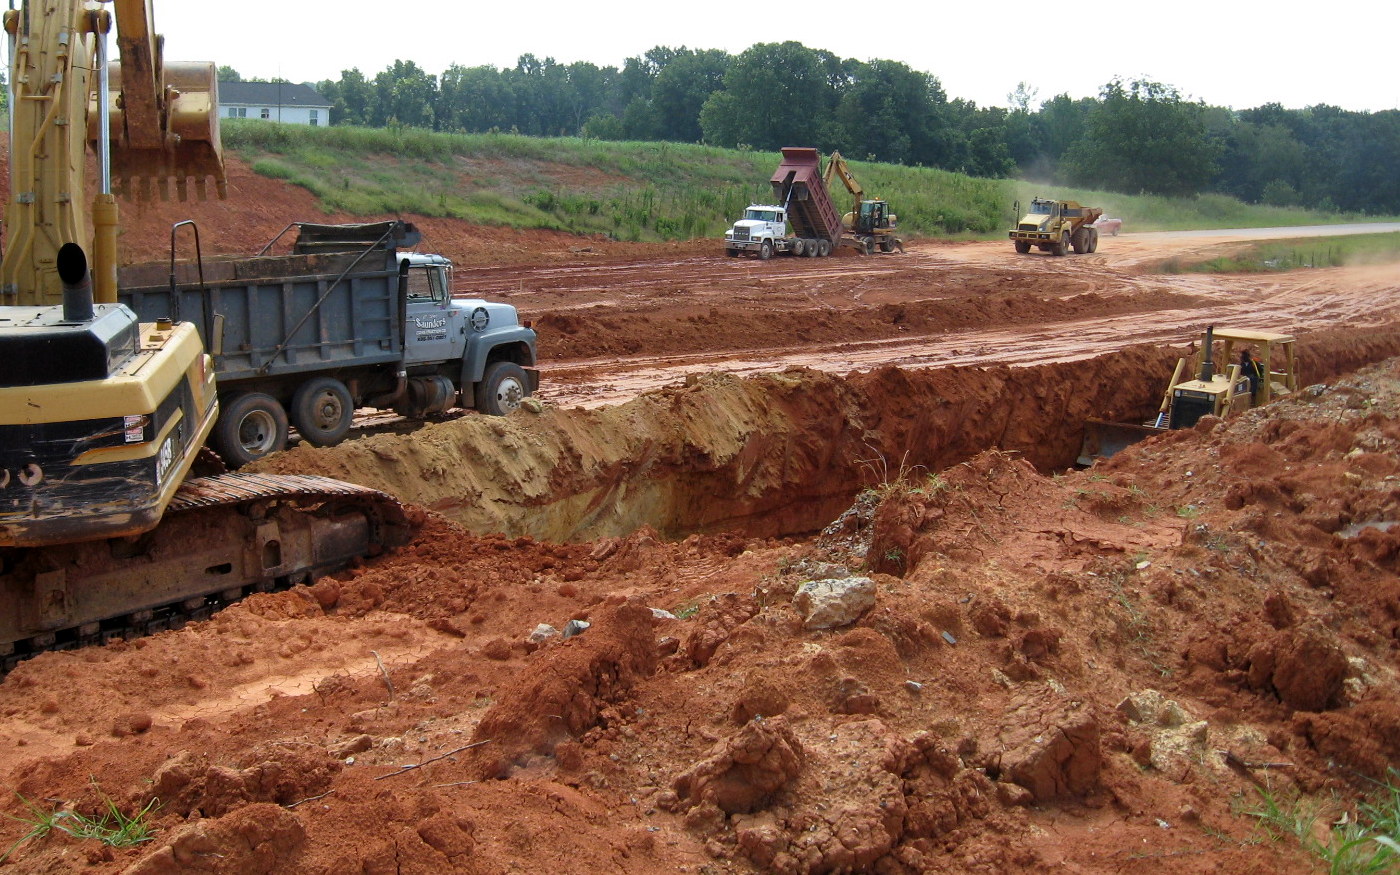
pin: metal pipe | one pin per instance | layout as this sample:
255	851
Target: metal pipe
77	283
104	114
1208	363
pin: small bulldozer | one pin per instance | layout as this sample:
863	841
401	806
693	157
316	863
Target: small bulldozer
1268	372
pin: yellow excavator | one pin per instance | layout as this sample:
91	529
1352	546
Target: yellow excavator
870	222
103	531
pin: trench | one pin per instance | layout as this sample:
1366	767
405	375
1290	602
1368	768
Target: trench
772	455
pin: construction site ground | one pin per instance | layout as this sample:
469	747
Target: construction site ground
1098	670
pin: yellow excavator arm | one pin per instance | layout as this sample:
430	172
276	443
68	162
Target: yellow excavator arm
161	124
836	165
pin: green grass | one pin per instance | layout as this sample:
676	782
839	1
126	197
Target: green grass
1277	255
652	191
1366	842
109	826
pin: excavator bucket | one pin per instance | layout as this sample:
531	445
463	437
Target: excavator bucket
145	161
1103	439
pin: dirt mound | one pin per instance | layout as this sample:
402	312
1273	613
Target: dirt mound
771	455
1053	667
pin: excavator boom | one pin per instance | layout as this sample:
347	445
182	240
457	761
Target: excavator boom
161	125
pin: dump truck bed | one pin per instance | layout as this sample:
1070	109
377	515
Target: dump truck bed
272	315
798	184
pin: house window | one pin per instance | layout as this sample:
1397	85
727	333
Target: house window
238	112
266	113
314	115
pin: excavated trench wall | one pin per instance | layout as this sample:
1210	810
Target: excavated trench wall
771	455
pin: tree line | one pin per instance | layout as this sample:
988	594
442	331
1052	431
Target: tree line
1133	137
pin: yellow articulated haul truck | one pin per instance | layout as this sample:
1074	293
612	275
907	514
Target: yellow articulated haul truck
1056	227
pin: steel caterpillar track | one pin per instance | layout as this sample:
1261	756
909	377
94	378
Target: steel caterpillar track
220	539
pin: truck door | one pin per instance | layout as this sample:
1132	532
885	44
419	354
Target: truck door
435	331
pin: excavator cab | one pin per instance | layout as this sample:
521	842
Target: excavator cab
874	216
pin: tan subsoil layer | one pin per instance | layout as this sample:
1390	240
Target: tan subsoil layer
1206	565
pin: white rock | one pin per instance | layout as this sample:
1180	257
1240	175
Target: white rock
833	602
543	632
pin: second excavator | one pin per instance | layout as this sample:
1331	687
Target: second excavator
870	221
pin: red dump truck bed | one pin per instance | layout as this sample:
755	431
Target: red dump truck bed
798	183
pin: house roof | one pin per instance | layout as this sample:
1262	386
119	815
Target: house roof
270	94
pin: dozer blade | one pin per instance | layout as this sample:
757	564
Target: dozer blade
1103	439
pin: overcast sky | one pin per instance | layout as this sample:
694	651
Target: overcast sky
1237	53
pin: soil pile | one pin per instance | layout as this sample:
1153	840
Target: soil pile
1093	670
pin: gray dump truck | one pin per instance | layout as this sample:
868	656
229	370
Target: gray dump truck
347	319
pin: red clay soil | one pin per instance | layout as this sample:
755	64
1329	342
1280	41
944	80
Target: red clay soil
1090	671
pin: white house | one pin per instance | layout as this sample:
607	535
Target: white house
274	101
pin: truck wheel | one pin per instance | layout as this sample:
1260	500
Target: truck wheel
1080	241
765	250
868	246
814	248
824	248
1061	247
1093	240
799	246
502	388
250	426
322	410
886	244
1022	246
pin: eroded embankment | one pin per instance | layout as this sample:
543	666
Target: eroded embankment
771	455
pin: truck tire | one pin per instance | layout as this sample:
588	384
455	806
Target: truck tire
1062	246
824	248
799	246
886	244
814	248
321	410
765	250
502	388
1093	240
1022	246
250	426
1080	241
867	246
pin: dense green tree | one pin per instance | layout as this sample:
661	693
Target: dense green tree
226	73
352	98
890	112
681	88
777	96
404	94
1142	137
474	100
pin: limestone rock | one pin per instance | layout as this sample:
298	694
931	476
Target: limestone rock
834	602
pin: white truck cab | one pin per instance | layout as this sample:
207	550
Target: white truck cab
763	229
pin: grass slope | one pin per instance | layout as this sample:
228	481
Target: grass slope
651	191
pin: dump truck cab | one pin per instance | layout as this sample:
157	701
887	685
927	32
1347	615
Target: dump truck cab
762	225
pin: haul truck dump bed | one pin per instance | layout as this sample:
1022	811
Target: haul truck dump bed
798	183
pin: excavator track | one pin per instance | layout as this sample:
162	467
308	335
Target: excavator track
221	538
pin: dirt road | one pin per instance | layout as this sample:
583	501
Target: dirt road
611	331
